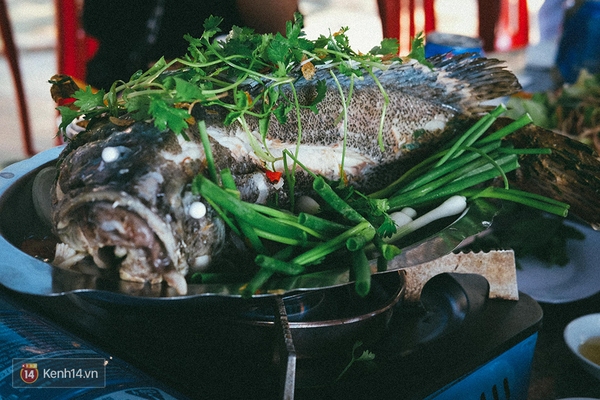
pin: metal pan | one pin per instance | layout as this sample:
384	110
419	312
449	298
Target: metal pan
25	274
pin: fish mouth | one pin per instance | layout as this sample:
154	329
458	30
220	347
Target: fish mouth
117	230
120	232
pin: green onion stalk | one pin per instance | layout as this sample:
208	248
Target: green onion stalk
444	183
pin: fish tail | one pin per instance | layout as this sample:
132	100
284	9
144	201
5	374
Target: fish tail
472	80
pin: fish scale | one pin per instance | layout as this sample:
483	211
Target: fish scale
417	95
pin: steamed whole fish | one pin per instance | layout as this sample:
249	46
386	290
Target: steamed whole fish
123	193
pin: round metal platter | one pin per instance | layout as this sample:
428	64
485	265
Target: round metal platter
29	275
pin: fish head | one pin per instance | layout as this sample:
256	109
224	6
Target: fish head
125	199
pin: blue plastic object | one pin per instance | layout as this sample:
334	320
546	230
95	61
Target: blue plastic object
443	43
579	46
509	372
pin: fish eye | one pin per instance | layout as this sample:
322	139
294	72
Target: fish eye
197	210
110	154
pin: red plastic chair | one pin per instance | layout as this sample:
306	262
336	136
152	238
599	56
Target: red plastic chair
509	29
13	61
512	31
391	11
73	47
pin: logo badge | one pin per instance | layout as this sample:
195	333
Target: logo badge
29	373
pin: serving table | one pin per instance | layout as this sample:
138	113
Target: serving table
556	373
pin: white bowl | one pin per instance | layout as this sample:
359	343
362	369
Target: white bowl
577	332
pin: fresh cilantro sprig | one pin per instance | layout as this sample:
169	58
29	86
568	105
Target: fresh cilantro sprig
365	356
417	50
217	72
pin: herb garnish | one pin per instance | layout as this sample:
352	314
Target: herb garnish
219	73
365	356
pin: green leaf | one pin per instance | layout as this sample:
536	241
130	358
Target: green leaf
349	69
138	107
231	117
321	88
293	30
379	206
242	42
241	100
281	112
211	26
417	51
186	91
295	36
321	41
272	96
88	100
262	46
366	356
166	116
68	115
386	47
342	41
305	44
195	52
387	228
278	52
263	127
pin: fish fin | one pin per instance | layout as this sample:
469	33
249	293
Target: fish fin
571	173
473	80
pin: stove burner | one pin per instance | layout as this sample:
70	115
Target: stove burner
298	307
326	307
328	321
215	356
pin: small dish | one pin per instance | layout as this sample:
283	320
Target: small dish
574	281
577	333
579	398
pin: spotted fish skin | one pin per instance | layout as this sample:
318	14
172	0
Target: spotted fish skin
132	213
422	100
417	95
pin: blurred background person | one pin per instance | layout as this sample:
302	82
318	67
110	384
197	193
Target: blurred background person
132	34
550	19
488	13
